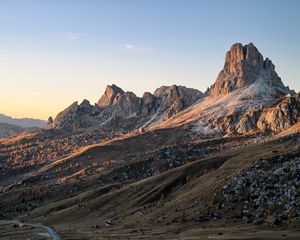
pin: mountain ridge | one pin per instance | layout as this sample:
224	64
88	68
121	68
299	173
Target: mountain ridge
244	91
124	111
246	88
22	122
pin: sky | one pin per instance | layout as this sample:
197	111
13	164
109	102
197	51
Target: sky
55	52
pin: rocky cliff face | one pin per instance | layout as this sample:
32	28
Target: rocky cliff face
125	111
254	90
244	65
76	116
277	118
282	116
248	95
109	95
174	99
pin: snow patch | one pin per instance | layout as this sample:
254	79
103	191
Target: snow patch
258	90
133	115
202	129
153	117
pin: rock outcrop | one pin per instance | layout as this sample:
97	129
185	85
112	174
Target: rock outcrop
284	115
174	99
124	111
109	95
244	65
76	116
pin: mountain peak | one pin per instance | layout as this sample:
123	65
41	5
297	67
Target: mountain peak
244	65
109	95
115	88
239	53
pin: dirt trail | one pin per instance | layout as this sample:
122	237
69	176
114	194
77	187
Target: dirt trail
49	230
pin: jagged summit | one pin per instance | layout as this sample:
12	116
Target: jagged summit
244	98
121	110
109	95
245	65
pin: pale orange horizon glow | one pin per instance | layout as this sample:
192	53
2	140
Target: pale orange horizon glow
53	53
43	87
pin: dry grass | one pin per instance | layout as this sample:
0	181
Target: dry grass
160	206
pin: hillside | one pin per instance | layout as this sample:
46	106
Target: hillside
7	130
169	199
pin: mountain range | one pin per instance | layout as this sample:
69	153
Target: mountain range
22	122
12	126
245	98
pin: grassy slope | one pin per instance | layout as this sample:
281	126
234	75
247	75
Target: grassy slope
150	205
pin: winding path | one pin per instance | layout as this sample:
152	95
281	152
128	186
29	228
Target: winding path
49	230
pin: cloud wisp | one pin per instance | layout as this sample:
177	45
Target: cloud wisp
72	37
134	48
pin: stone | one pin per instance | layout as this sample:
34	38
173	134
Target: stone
282	116
50	120
273	195
108	223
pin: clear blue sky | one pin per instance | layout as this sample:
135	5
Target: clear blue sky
54	52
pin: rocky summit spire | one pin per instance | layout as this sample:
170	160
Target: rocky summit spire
109	95
243	66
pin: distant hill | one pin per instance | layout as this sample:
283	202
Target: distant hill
7	130
22	122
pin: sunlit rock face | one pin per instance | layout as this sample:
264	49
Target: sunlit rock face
243	66
174	99
277	118
109	95
282	116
